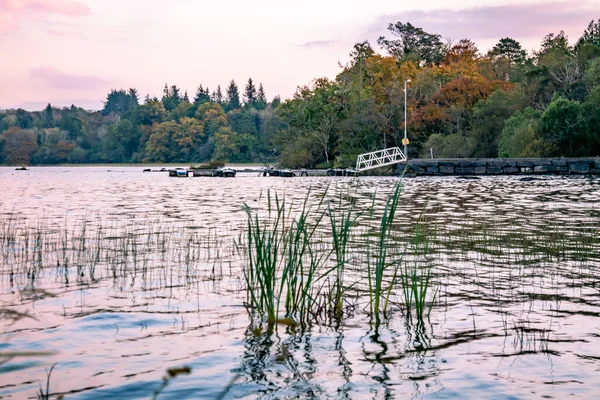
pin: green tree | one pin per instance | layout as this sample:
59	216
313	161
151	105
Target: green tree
592	74
250	93
225	143
212	116
276	102
153	111
24	119
261	98
242	122
489	116
592	119
520	136
120	101
591	35
456	145
510	49
202	96
217	96
122	141
554	42
48	117
171	97
563	127
72	125
413	43
233	97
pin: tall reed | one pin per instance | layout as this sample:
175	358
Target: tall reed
379	261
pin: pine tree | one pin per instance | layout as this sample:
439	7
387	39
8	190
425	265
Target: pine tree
250	93
233	97
261	98
186	99
48	121
217	96
202	96
134	98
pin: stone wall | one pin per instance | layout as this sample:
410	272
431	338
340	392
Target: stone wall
501	166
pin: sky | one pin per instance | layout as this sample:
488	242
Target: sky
67	52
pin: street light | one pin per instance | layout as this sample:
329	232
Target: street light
405	141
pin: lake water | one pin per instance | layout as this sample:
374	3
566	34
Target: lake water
120	275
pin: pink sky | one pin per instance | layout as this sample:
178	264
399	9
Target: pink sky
76	51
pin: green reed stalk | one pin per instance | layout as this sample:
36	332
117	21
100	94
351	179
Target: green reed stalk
263	245
416	279
340	233
381	260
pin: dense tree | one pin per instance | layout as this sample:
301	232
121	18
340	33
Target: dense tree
233	97
413	43
458	102
250	94
217	96
120	101
48	117
151	112
520	136
121	141
563	127
591	35
24	119
18	145
261	98
509	49
202	96
171	97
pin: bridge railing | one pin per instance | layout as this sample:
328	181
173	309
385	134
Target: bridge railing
380	158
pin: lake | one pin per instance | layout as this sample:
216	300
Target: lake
111	277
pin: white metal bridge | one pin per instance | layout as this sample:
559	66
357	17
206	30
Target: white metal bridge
380	158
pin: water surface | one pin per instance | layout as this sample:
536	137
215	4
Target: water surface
139	273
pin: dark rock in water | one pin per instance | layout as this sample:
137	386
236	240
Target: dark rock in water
21	169
529	179
147	170
163	169
469	178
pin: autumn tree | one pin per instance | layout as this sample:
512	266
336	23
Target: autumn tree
18	146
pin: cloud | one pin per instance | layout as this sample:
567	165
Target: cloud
495	22
7	24
14	13
49	77
69	8
319	44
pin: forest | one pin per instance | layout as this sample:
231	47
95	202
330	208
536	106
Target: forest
460	103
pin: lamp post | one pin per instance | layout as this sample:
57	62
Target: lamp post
405	141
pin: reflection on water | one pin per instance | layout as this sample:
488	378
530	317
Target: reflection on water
122	275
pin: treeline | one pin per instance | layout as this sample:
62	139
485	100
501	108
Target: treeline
460	103
214	125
